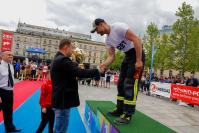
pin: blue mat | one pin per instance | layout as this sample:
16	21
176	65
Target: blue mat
28	117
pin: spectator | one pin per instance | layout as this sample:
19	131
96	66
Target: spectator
102	79
142	82
147	85
23	71
17	69
108	79
192	81
44	71
39	72
33	72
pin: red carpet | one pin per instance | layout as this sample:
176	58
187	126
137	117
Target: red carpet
22	91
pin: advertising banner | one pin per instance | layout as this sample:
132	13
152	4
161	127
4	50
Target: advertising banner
187	94
6	41
162	89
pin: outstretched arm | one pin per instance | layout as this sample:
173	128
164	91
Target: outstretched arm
138	47
109	59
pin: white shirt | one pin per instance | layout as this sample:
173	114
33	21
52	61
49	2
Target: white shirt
45	68
117	39
4	75
34	66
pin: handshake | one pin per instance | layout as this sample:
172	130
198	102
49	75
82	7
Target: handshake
102	68
99	70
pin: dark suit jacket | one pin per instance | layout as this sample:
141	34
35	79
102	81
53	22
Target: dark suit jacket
64	75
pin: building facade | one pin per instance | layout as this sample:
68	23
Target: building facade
30	36
166	29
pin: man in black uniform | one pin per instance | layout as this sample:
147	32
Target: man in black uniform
120	36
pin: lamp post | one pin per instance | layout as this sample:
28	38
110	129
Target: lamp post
152	60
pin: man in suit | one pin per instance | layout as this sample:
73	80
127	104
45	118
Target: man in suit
64	74
6	91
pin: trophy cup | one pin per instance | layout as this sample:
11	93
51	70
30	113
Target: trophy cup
78	56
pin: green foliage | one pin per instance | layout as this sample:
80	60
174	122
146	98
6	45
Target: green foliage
185	35
164	53
193	50
179	50
118	60
152	31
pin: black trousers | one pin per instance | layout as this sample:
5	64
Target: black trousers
127	85
7	107
49	116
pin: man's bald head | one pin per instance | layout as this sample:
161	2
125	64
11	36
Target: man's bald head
7	56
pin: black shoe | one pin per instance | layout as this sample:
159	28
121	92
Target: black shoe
14	130
115	112
123	119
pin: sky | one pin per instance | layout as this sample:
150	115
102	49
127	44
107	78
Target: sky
77	15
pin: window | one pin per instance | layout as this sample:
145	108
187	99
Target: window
94	61
17	46
89	59
80	46
16	53
89	53
102	54
44	41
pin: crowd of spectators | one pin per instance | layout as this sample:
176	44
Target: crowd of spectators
30	70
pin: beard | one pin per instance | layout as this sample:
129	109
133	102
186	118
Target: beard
101	34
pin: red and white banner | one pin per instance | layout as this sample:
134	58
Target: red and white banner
162	89
6	41
187	94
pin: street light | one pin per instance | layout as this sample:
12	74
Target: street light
152	60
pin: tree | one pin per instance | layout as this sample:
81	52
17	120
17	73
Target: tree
182	32
152	31
118	60
163	56
193	51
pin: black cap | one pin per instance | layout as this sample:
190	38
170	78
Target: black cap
96	22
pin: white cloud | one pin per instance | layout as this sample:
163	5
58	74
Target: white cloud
77	15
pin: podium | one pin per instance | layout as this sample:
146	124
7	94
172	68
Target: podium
98	121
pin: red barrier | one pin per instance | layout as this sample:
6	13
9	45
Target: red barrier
187	94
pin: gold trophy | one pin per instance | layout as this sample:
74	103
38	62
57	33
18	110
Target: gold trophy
78	56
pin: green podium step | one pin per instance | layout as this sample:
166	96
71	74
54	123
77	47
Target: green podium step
140	123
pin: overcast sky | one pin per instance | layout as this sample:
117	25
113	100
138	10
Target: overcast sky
77	15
